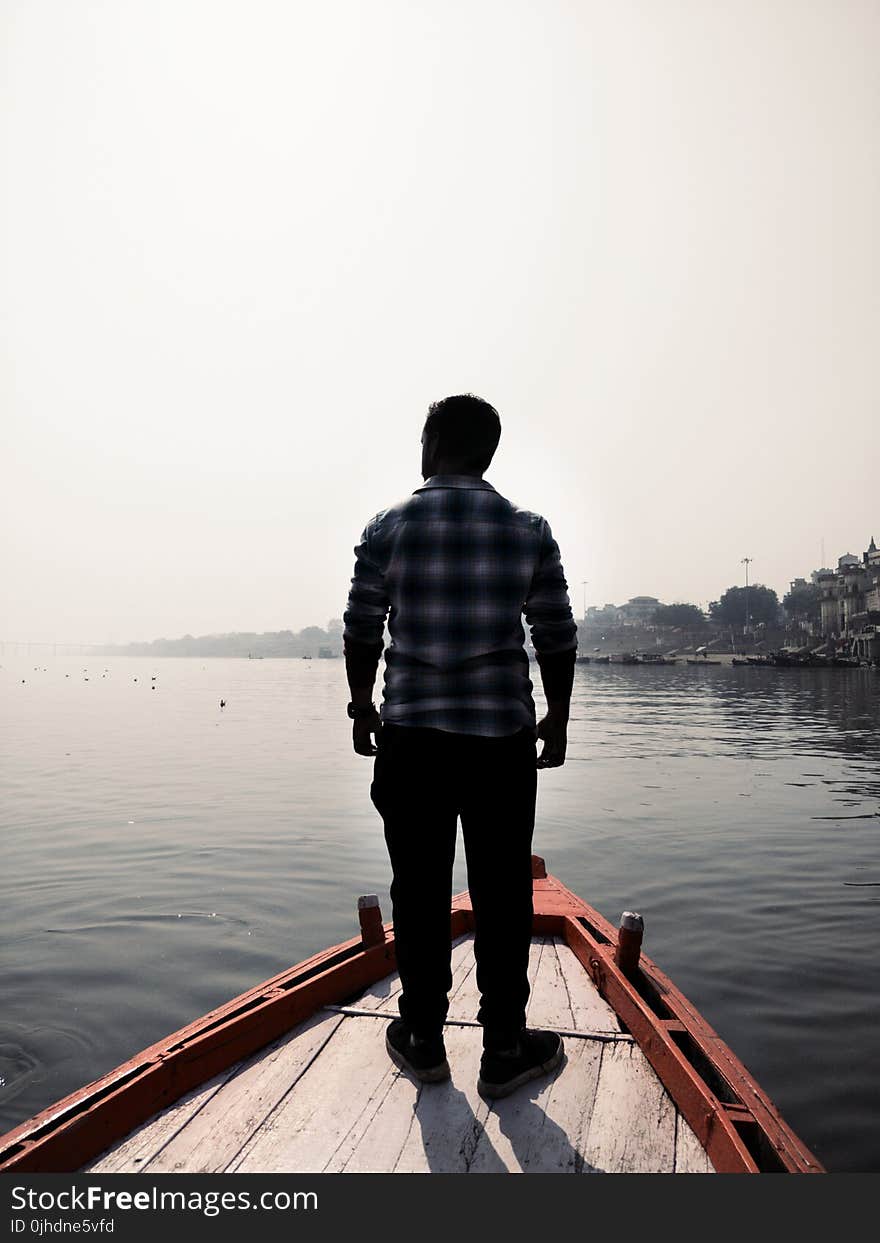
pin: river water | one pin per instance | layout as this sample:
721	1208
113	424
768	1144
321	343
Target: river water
161	854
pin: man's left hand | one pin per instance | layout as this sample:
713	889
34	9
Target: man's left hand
553	730
361	733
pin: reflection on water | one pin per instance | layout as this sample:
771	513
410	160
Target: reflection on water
161	855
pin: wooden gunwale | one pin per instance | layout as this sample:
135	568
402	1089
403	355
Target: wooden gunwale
67	1134
741	1130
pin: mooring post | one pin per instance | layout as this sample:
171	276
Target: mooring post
629	943
370	916
539	870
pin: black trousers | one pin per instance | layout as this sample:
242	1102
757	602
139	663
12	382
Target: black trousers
423	781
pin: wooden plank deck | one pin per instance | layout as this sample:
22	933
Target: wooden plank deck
326	1097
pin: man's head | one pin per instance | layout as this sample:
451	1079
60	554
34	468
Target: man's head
460	436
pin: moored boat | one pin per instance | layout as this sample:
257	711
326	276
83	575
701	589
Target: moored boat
293	1076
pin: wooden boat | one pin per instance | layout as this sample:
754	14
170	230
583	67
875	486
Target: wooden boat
293	1076
701	660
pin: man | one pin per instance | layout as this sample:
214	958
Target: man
454	566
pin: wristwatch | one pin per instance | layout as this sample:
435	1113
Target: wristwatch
358	712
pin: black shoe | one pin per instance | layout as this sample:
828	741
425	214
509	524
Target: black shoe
536	1053
426	1059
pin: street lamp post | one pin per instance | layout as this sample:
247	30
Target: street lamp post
584	585
746	561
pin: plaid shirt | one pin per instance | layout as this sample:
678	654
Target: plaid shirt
455	566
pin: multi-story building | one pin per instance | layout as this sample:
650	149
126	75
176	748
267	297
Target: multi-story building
829	612
865	625
850	603
607	615
638	610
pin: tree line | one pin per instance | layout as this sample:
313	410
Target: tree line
759	603
738	605
312	641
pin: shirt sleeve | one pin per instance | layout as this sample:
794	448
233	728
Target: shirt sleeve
368	603
547	608
557	674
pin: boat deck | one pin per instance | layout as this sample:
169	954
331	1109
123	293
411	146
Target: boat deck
325	1097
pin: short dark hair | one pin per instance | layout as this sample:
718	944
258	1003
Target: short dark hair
467	429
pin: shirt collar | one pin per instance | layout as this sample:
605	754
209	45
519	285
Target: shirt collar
455	481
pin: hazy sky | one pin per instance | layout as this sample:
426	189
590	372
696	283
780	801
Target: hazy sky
244	246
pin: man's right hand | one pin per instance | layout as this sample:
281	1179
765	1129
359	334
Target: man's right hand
361	733
554	731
